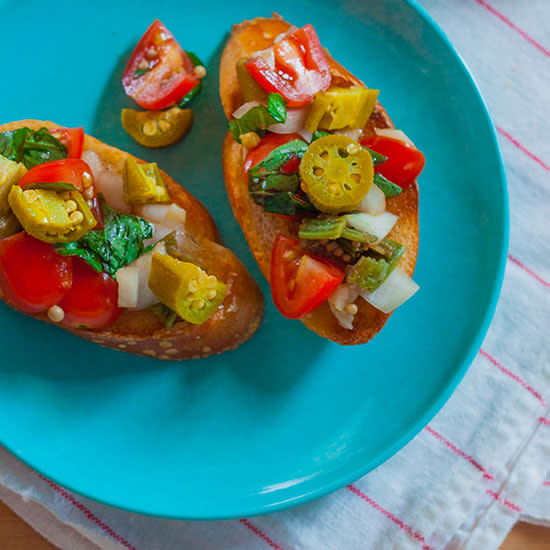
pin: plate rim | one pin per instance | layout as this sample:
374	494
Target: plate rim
341	480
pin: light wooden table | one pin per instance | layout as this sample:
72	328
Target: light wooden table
15	534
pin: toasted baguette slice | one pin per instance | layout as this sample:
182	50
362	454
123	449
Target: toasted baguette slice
141	332
260	229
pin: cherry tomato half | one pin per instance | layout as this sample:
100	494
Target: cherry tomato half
300	282
67	171
404	164
72	138
33	276
159	72
266	145
92	301
300	68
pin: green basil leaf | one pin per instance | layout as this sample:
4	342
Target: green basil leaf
74	249
276	107
377	158
259	118
140	72
318	134
386	186
275	191
31	147
194	92
53	186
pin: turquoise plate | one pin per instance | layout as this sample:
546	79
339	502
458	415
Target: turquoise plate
288	416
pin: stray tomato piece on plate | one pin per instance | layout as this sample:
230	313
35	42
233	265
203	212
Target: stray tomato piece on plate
33	276
300	68
300	282
92	301
405	161
159	72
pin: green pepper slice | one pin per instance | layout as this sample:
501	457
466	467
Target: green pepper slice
143	183
185	288
10	173
250	89
338	108
157	128
52	216
336	173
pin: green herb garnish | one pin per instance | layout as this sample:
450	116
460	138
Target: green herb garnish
370	272
119	243
166	315
196	90
140	72
274	190
31	147
377	158
387	187
52	186
259	118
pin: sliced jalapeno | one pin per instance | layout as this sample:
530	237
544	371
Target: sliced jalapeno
52	216
10	173
185	288
157	128
336	173
143	183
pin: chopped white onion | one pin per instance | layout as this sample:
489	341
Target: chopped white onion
169	215
159	232
394	134
306	135
108	181
244	108
345	320
345	294
295	121
379	226
128	284
353	133
142	269
393	292
374	202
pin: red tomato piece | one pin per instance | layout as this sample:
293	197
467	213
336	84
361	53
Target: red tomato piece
300	282
299	70
33	276
92	301
404	164
266	145
73	171
72	138
169	74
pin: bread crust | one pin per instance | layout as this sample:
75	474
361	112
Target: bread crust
260	228
141	332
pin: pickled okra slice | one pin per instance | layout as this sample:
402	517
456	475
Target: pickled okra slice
10	173
157	128
9	224
336	173
185	288
338	108
52	216
143	183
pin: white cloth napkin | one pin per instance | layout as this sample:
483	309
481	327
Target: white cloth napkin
483	461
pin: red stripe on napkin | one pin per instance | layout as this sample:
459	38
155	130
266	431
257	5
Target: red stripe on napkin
88	513
259	533
527	270
522	148
512	375
512	25
504	501
454	448
402	525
